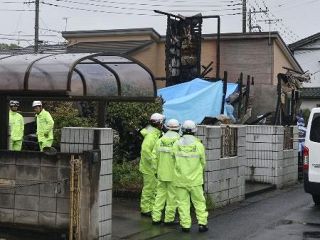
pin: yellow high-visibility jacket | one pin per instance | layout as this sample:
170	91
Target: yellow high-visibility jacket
45	125
190	161
151	135
16	124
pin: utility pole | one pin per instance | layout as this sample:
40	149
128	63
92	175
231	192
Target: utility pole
250	17
19	38
244	16
36	27
65	26
250	20
270	21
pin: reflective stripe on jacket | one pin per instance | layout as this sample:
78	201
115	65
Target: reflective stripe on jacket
163	160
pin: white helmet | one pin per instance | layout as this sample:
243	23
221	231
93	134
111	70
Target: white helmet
189	126
157	118
172	124
14	103
36	103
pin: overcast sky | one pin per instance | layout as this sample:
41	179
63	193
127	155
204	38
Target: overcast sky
294	19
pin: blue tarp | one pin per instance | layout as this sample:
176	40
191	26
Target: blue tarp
194	100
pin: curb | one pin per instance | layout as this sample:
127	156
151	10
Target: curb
268	188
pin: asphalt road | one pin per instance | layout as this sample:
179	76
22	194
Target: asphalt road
287	214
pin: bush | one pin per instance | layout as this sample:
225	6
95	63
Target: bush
126	176
65	114
128	119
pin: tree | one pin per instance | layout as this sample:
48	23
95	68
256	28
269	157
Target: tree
5	46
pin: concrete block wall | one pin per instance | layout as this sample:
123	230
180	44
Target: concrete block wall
77	140
266	160
290	162
34	190
224	177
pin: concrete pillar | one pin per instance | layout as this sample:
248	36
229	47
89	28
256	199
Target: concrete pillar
79	140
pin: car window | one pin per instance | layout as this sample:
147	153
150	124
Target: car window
315	128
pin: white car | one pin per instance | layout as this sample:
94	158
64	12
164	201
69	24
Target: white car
311	155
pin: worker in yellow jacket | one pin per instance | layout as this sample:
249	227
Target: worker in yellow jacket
45	125
151	134
16	124
164	165
189	154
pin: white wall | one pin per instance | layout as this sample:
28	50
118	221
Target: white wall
266	160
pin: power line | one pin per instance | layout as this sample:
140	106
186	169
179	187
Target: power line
251	27
114	12
168	1
24	35
161	4
12	2
148	9
287	30
288	34
96	10
16	39
16	10
286	6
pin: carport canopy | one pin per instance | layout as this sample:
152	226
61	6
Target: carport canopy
78	76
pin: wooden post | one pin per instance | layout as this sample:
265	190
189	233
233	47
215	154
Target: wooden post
247	92
293	107
225	82
277	118
240	95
